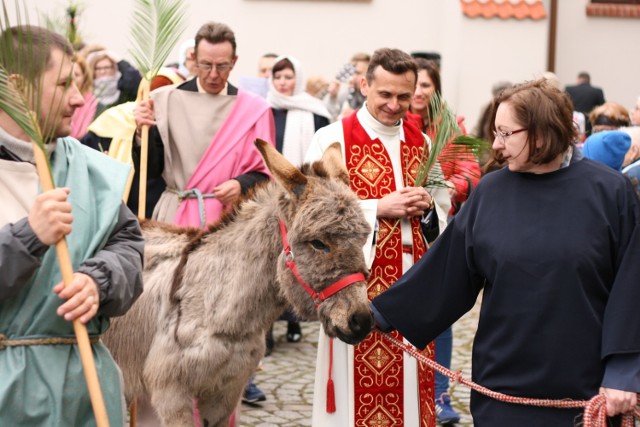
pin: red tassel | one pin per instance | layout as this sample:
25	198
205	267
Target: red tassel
331	393
331	397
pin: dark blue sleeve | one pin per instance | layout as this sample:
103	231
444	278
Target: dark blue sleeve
622	372
379	320
437	290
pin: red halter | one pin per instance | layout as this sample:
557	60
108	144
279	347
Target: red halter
317	297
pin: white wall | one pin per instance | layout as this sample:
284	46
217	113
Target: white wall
475	52
604	47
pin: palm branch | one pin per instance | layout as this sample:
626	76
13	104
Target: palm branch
14	103
18	83
156	28
72	15
448	144
21	83
66	24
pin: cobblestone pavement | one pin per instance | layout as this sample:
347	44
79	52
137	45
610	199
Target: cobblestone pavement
287	377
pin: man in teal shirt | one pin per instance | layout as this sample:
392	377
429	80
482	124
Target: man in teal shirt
42	378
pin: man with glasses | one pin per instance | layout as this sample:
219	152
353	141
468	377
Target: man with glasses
202	133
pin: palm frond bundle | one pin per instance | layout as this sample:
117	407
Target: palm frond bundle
448	144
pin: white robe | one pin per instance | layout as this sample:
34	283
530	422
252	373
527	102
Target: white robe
343	369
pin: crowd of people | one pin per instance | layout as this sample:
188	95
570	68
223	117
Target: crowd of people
545	224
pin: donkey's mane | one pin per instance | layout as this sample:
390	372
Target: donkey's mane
316	169
196	236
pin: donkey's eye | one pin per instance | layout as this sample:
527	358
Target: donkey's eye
319	246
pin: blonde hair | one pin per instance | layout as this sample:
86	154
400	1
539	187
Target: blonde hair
316	86
609	116
87	84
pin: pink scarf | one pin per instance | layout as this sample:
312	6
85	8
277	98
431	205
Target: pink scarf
230	154
83	116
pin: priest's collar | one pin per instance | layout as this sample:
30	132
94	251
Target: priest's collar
374	128
224	91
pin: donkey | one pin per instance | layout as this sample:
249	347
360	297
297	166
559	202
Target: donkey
197	331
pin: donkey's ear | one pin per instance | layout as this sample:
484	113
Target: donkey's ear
333	163
282	170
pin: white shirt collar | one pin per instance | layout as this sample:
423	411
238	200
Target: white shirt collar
374	128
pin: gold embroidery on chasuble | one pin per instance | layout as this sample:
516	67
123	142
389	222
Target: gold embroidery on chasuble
378	366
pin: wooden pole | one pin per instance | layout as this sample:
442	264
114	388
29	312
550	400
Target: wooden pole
82	336
133	413
553	27
143	95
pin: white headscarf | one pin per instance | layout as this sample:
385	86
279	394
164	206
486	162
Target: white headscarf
182	57
300	108
106	89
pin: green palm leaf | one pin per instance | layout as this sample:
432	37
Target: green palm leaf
156	27
18	84
448	144
21	80
13	102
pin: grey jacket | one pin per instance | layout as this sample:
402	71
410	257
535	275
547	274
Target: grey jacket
117	268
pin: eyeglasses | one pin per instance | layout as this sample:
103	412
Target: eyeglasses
220	68
103	69
504	135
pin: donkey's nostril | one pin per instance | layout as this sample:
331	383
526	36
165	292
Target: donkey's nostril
361	322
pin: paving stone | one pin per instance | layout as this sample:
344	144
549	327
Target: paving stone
287	376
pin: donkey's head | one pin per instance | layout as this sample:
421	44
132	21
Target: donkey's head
325	230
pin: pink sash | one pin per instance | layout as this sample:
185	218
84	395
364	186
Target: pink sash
231	153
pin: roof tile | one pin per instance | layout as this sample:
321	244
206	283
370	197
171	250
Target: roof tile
505	9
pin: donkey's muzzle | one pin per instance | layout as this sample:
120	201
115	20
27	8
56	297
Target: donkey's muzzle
360	324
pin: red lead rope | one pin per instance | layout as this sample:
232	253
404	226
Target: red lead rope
595	412
317	297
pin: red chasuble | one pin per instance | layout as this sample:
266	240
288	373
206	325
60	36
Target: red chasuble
378	366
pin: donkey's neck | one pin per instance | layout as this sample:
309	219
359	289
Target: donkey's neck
244	253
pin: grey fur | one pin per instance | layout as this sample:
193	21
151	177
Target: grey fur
208	340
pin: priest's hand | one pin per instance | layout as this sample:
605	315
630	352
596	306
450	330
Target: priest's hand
83	298
50	216
619	401
406	202
227	192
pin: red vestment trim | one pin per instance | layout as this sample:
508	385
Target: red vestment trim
378	366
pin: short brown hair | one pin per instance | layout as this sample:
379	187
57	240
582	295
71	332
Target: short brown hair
26	50
215	32
361	57
547	114
392	60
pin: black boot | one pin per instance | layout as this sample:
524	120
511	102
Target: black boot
294	334
269	341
